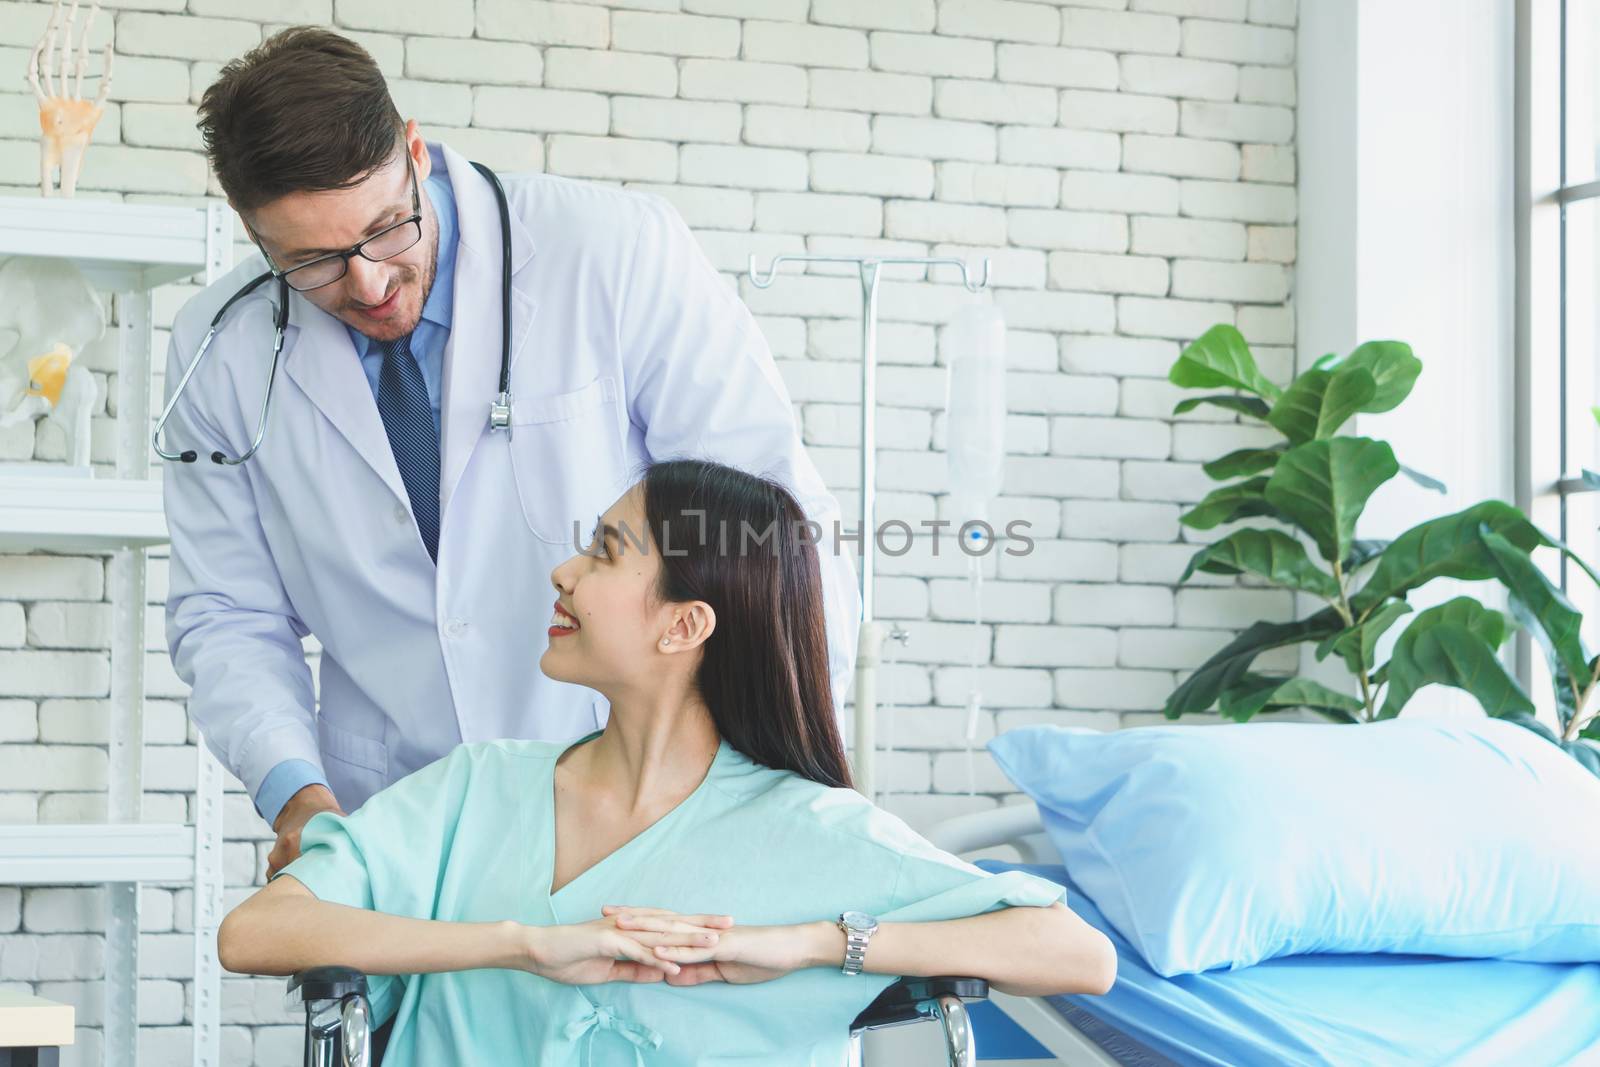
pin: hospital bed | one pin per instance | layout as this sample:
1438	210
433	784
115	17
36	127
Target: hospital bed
334	1005
1366	1010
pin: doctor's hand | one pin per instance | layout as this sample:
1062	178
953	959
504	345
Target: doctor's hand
602	951
292	819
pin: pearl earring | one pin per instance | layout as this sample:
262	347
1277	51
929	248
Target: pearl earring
665	641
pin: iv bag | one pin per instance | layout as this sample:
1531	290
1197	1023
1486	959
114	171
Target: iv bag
975	448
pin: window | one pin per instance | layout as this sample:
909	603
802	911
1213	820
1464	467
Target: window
1558	113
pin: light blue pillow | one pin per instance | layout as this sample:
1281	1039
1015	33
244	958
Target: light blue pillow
1221	846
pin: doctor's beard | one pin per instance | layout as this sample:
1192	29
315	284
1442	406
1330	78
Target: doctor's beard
407	315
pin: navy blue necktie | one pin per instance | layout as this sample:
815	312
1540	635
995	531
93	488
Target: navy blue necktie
408	420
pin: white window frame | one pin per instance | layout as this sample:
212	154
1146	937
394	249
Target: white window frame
1548	476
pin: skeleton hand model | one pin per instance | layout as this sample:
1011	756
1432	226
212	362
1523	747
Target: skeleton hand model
66	119
48	314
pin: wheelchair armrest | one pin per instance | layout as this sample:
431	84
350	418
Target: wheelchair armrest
324	983
338	1026
913	999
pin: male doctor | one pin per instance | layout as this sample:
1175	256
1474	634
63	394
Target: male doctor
381	513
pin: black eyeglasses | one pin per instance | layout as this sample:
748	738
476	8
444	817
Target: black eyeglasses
385	244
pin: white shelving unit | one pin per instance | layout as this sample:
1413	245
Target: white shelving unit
128	249
79	514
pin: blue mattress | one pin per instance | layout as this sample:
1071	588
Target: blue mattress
1357	1010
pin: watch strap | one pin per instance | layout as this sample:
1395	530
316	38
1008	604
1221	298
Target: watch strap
855	948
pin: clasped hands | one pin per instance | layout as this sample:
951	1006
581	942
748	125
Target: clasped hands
628	944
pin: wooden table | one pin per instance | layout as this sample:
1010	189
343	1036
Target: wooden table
33	1030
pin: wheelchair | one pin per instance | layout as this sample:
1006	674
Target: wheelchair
338	1031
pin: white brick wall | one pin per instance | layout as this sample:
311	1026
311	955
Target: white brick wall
1128	164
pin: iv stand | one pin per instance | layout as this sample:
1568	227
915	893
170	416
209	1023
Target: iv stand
870	642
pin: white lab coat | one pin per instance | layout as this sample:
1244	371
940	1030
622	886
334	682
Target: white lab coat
627	346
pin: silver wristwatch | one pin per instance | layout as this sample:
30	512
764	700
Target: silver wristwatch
858	929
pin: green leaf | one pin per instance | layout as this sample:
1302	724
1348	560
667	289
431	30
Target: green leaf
1243	462
1424	480
1527	721
1228	667
1486	623
1269	554
1393	368
1318	402
1229	503
1446	547
1583	749
1326	361
1454	644
1577	560
1220	357
1568	700
1363	550
1585	752
1547	614
1357	645
1248	406
1257	692
1323	487
1241	701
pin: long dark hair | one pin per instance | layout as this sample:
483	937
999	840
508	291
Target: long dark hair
738	542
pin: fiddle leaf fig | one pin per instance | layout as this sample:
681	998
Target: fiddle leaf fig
1549	616
1454	644
1249	406
1318	402
1393	368
1447	547
1262	693
1228	503
1221	358
1362	552
1318	481
1225	669
1323	486
1357	645
1269	554
1242	463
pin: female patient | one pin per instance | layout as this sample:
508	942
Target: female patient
666	890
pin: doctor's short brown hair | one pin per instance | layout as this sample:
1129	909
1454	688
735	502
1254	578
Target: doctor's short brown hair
305	110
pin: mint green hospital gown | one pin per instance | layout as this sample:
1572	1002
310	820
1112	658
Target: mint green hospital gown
471	837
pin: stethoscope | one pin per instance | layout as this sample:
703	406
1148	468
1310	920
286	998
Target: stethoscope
499	408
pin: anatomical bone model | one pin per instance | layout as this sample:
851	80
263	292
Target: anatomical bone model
66	119
48	314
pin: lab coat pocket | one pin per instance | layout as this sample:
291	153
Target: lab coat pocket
567	459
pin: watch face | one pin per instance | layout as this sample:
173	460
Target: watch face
858	920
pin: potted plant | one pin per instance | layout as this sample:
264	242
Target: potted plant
1312	487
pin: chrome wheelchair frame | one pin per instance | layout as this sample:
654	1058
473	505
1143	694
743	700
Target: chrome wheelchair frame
339	1032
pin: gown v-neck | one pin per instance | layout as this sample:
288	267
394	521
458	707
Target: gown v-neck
552	894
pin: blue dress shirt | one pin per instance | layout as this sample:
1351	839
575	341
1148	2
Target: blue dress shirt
427	347
428	339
